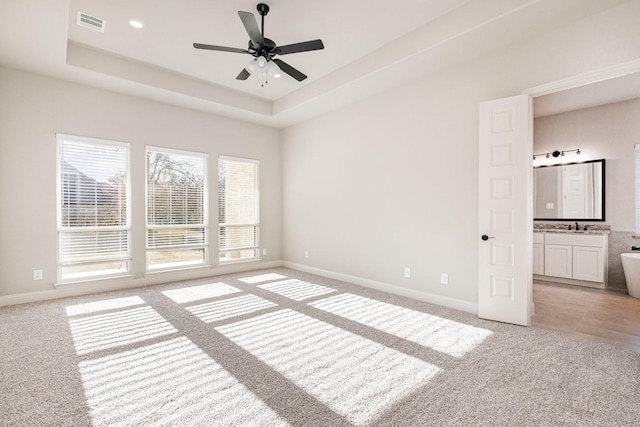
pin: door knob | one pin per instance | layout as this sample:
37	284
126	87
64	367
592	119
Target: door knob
485	237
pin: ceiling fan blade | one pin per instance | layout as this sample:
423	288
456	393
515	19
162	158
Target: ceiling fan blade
244	75
251	25
290	70
220	48
299	47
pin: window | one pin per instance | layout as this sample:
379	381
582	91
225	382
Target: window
93	207
176	209
238	209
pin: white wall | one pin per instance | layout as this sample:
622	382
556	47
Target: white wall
391	182
34	108
388	183
607	132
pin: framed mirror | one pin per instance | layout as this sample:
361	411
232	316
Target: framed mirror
569	192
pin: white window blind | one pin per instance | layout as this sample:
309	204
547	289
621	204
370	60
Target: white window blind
176	209
93	207
238	213
637	188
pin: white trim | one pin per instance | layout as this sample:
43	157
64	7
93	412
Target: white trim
86	288
92	280
239	159
92	287
91	140
175	151
454	303
618	70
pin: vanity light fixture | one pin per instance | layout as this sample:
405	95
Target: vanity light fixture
557	153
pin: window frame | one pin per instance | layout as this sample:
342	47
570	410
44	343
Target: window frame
205	215
60	228
256	224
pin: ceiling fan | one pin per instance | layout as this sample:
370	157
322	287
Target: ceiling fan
264	50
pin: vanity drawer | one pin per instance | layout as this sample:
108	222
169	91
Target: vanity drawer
575	239
538	237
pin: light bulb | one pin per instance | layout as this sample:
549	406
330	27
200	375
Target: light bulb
261	62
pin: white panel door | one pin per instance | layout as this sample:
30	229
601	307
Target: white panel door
505	210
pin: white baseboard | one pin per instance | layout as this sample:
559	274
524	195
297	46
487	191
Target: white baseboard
457	304
131	283
96	286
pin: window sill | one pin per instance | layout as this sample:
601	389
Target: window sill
92	280
161	271
239	261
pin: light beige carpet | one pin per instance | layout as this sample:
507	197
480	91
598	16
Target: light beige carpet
280	347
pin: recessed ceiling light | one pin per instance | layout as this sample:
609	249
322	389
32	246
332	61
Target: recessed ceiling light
136	24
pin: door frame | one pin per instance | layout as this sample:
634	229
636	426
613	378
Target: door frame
576	81
584	79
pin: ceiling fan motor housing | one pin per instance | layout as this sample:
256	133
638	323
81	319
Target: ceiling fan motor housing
263	9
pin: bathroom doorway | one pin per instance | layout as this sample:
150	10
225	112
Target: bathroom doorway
604	315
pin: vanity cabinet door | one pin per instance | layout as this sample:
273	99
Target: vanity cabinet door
558	261
538	259
588	263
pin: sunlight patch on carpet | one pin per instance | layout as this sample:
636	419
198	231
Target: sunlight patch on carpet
196	293
228	308
297	290
109	304
262	278
443	335
355	377
105	331
168	384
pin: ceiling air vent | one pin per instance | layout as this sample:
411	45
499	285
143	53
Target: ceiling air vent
93	23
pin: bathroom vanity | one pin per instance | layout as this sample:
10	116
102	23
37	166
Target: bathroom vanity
575	257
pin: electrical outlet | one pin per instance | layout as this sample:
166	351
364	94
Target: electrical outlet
444	278
37	274
407	272
306	254
264	252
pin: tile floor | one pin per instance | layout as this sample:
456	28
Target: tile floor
603	315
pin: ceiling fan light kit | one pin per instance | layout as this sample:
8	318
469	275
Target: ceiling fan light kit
263	68
264	50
